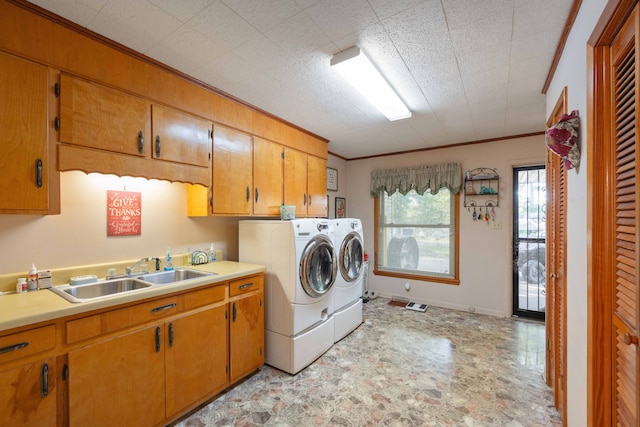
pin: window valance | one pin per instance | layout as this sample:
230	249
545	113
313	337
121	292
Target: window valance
419	178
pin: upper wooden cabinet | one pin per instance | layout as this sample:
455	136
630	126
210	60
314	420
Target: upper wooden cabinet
130	135
267	177
232	172
26	167
96	116
254	177
305	183
180	137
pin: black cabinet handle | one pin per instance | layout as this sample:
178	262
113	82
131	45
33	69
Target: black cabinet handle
304	199
65	372
248	193
163	307
13	347
234	312
256	194
56	89
56	123
309	199
45	380
39	173
158	339
170	334
140	142
158	146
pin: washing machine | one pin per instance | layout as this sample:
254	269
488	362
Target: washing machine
347	290
301	269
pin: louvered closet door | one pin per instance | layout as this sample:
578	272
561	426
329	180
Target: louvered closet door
556	280
625	290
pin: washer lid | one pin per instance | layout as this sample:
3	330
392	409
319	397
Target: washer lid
351	257
318	266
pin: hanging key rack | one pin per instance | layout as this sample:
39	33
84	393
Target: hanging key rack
481	193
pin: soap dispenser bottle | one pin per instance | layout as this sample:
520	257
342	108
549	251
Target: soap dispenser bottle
212	253
167	261
32	284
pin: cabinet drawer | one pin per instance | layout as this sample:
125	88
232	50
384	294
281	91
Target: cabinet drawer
26	343
202	297
247	284
98	324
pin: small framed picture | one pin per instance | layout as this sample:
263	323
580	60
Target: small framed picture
332	179
341	207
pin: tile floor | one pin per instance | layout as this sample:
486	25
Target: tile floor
404	368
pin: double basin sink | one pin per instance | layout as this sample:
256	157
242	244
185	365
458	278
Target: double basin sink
120	285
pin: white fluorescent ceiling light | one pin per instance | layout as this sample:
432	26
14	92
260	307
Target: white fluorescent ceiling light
354	66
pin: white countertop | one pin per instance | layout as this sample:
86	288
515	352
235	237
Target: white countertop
27	308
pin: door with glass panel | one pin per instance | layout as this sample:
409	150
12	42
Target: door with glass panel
529	242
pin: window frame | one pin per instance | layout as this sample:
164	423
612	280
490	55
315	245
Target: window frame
455	280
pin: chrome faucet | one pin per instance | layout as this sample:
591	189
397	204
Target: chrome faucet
129	270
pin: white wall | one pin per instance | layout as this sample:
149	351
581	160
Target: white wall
572	73
485	253
78	236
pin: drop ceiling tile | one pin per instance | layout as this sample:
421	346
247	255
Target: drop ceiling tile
306	3
490	31
421	36
485	78
337	18
81	12
386	8
231	67
298	34
540	16
264	14
186	50
138	25
465	13
223	26
493	57
487	98
532	68
537	45
262	53
183	10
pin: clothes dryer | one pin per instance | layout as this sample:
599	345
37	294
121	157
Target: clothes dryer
347	291
301	269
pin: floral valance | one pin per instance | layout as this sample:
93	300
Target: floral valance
420	178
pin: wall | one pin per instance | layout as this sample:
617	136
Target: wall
341	166
572	73
78	236
485	253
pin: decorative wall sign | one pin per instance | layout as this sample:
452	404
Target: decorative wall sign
124	213
341	207
332	179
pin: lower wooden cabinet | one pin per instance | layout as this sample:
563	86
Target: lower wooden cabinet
196	358
28	395
246	335
158	368
119	381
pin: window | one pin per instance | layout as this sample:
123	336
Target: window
417	235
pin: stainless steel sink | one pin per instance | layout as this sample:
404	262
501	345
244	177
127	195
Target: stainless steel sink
105	288
172	276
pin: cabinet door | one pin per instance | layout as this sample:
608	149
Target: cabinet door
267	177
246	336
295	180
232	172
22	400
180	137
120	381
99	117
23	144
196	358
316	187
